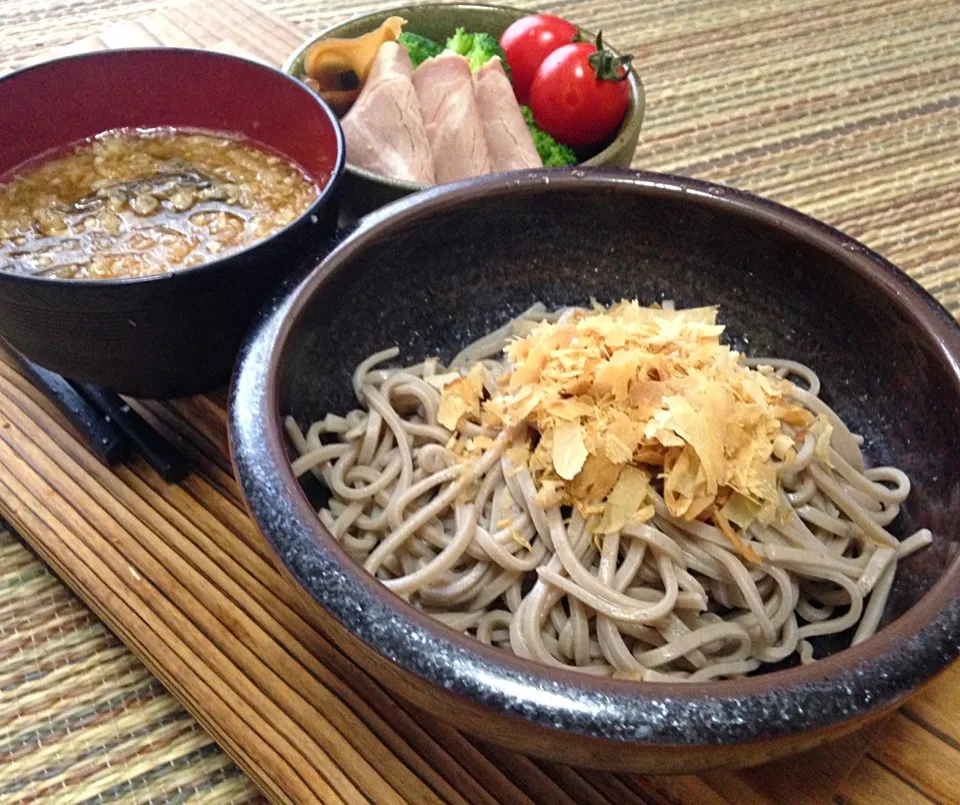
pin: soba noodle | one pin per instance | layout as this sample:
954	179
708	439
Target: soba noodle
665	599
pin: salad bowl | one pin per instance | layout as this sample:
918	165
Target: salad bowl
365	190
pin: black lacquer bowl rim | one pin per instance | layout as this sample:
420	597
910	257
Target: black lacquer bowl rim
850	684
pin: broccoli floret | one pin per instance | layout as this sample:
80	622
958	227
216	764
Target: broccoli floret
485	47
419	47
461	42
477	49
552	153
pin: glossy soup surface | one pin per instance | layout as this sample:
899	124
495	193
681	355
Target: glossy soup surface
132	203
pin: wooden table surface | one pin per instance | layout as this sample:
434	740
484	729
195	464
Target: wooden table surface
850	112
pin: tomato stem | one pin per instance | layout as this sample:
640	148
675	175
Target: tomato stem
606	65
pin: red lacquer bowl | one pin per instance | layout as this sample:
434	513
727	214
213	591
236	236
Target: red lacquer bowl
176	333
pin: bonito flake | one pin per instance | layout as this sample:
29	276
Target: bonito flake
609	403
461	398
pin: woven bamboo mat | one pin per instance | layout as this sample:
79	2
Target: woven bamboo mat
850	112
80	716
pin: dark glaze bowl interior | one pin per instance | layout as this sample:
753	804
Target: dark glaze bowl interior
436	271
177	333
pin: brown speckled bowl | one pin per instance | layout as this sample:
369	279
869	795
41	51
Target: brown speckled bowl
438	269
365	190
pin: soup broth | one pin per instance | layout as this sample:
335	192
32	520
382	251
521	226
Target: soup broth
134	203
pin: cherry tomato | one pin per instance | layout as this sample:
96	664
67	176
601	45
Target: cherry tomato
580	94
527	42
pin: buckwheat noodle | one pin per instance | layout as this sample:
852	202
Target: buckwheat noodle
663	600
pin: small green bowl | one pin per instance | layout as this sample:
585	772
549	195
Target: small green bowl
364	190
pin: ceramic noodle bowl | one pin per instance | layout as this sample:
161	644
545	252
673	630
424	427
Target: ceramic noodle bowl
434	272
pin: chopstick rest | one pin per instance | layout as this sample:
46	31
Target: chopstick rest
165	458
102	436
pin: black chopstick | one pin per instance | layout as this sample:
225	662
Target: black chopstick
102	436
105	422
165	458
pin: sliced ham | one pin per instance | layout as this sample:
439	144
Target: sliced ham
451	114
508	138
384	130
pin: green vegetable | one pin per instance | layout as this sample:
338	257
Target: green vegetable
419	47
477	49
552	153
461	42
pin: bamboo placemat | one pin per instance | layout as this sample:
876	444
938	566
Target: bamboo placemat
847	112
80	715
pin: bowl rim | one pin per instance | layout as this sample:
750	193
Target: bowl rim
210	266
870	677
632	120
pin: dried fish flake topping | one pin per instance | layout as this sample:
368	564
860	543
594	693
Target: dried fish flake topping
616	399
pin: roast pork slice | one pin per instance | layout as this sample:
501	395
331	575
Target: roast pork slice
508	138
444	86
384	129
